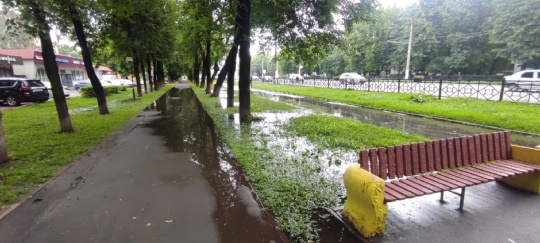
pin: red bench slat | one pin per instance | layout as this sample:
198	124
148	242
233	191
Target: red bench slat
437	155
405	187
478	148
483	139
382	163
472	150
444	154
415	160
494	174
508	141
459	179
457	148
451	154
374	162
364	160
400	190
497	146
452	182
394	193
474	172
502	137
507	169
532	166
423	157
399	161
442	186
514	167
391	157
430	158
468	176
491	152
491	170
417	186
465	151
388	197
426	185
407	159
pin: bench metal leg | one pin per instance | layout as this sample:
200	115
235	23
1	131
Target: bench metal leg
462	201
462	197
442	196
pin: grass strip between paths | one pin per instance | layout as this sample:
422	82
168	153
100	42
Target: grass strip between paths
37	148
509	115
291	177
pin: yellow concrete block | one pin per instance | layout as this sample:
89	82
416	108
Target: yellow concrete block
365	206
529	182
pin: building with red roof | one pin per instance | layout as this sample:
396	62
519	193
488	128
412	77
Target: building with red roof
71	69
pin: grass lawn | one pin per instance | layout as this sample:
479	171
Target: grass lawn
291	176
507	115
38	150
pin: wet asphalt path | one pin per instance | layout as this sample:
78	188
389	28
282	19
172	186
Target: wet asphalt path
134	188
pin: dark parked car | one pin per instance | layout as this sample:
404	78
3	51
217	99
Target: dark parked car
82	83
13	91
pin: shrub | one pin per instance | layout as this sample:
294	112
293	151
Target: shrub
421	98
88	91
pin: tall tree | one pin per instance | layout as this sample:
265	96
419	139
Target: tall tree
34	21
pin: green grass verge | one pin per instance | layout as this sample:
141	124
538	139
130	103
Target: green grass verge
291	177
336	132
515	116
38	150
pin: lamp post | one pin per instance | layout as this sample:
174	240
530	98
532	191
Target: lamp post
409	52
130	60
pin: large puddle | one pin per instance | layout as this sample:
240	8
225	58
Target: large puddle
426	127
186	127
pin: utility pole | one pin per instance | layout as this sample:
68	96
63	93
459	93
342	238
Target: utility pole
407	71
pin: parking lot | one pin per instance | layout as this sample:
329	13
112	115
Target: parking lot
4	107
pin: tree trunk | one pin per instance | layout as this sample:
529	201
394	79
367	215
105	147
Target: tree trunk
208	71
4	158
156	85
196	69
137	73
244	11
149	63
49	61
161	74
83	44
493	64
230	79
224	70
141	61
203	75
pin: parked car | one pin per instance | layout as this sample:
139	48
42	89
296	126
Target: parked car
82	83
254	78
267	78
296	77
13	91
352	78
524	80
125	82
64	88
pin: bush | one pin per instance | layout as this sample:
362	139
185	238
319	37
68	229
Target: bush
421	98
88	91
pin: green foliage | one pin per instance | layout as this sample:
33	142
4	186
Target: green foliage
421	98
38	150
516	116
290	176
336	132
88	91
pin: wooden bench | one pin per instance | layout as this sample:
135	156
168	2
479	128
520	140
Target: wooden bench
406	171
418	169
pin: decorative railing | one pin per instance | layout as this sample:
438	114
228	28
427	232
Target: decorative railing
496	90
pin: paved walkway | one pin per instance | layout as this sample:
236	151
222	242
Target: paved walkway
133	188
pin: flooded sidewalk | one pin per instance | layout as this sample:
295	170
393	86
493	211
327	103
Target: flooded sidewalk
164	177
